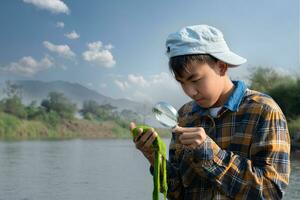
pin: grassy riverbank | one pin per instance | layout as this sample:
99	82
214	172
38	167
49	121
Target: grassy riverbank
13	128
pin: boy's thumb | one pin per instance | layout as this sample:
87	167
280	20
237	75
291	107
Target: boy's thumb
177	129
132	126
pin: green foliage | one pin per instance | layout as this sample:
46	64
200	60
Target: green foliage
89	116
284	89
130	115
1	106
294	126
122	122
14	106
121	132
32	110
60	104
12	89
107	107
287	96
264	79
51	118
8	126
91	110
32	130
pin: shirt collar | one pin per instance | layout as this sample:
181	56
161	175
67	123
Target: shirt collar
232	103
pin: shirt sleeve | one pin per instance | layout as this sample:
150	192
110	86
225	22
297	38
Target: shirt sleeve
263	175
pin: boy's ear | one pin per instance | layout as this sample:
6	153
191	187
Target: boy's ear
222	67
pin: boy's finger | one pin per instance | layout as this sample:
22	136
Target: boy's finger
132	126
139	135
150	140
179	129
150	130
140	130
187	141
189	135
144	137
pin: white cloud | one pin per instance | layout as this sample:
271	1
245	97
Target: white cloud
154	88
142	97
122	85
99	55
73	35
160	78
141	82
109	46
62	50
135	79
54	6
28	66
60	24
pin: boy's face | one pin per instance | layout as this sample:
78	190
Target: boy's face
203	83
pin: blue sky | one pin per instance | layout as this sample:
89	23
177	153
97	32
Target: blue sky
117	47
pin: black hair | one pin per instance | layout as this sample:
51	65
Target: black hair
180	64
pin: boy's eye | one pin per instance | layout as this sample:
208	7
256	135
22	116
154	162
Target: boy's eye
194	81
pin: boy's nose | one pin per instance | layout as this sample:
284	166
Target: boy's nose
192	92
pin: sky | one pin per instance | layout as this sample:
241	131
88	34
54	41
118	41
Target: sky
117	47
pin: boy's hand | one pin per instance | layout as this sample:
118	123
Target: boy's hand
192	137
144	141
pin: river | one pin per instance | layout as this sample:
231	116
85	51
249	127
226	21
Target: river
83	169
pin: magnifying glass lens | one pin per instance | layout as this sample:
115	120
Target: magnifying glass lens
165	114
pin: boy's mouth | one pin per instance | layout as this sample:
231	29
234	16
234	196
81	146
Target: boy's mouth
200	100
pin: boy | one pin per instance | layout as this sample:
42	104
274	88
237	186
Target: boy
231	142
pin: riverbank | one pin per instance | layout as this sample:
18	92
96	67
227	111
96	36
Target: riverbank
13	128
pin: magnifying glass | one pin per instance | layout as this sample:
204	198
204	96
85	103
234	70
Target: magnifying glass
166	114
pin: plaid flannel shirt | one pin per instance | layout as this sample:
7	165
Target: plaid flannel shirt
245	156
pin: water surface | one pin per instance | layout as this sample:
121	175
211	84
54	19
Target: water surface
83	169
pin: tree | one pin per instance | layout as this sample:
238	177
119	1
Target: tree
60	104
284	89
12	89
107	107
32	110
130	115
264	79
89	107
288	98
14	106
92	110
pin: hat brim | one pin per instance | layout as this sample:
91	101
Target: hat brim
230	58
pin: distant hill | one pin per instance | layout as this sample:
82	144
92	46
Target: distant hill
33	90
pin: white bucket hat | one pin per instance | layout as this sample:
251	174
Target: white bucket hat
201	39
